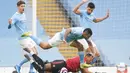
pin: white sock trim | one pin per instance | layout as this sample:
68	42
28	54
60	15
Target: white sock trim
31	52
31	61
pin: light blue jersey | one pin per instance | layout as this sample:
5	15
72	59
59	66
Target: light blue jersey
86	19
19	21
75	34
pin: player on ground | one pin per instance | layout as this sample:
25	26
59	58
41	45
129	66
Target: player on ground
86	19
18	20
56	66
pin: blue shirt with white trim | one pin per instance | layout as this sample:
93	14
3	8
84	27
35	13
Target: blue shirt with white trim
86	19
75	34
19	21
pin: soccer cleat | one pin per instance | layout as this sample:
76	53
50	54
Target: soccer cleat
17	68
84	65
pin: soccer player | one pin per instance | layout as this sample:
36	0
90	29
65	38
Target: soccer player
72	64
69	36
18	20
86	19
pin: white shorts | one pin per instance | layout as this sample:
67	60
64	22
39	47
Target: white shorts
84	43
55	40
27	43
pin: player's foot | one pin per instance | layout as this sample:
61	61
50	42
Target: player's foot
17	68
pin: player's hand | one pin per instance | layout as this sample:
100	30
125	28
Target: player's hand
10	21
108	13
9	26
84	1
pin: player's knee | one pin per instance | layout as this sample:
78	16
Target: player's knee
97	54
36	53
88	50
34	50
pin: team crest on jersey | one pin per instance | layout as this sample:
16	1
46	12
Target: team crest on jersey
122	68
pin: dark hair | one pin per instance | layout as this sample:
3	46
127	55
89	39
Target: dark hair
89	54
88	31
20	2
91	5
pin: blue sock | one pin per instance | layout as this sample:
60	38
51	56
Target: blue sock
31	68
36	40
81	55
22	62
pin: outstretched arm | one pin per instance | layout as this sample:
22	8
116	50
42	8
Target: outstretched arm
103	18
76	9
11	21
67	32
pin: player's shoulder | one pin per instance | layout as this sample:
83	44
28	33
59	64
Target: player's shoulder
15	14
78	27
82	10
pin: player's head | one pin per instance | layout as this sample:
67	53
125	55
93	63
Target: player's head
21	6
89	57
87	33
90	7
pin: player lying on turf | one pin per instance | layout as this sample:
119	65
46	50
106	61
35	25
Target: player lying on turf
71	65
